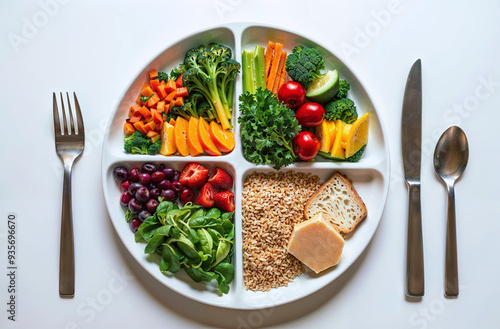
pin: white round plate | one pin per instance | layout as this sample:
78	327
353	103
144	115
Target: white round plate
370	175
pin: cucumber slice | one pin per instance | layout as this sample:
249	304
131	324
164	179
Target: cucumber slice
324	88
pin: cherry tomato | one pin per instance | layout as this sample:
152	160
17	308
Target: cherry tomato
292	94
310	114
306	145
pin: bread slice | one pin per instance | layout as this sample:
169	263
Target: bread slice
339	202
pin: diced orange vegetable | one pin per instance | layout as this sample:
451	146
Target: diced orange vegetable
274	66
154	84
146	92
145	85
139	125
268	56
157	117
153	100
151	134
182	92
205	140
153	74
161	91
172	121
136	117
138	101
158	125
170	86
223	139
193	140
133	109
170	97
179	101
150	126
145	112
160	106
128	129
167	139
180	136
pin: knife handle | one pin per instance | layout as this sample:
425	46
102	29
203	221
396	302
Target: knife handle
415	254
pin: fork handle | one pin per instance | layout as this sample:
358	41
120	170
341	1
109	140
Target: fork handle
67	252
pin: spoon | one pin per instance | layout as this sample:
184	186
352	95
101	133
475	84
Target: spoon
450	159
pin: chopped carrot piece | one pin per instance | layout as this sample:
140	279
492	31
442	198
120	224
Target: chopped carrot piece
153	100
145	85
151	134
170	97
182	92
157	117
128	129
161	91
138	101
154	84
134	108
268	56
150	126
139	125
171	121
170	86
159	125
274	66
179	101
160	106
279	72
146	92
136	117
145	112
153	74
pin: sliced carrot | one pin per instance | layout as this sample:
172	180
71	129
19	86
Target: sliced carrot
170	97
179	101
138	100
279	72
167	139
274	66
172	121
146	92
136	117
158	125
139	125
145	85
154	84
151	134
157	117
180	136
153	74
182	92
161	91
283	77
128	129
160	106
205	140
145	112
193	140
170	86
134	108
153	100
150	126
268	56
222	140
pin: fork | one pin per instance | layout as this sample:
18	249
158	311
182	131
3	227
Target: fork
70	141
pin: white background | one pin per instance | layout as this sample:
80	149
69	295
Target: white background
95	48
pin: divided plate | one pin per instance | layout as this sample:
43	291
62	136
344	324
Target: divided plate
370	175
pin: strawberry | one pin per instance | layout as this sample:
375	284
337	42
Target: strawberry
221	179
224	201
193	175
206	196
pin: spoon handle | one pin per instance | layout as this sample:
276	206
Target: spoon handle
451	268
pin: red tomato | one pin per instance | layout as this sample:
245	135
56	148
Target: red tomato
178	83
310	114
306	145
292	94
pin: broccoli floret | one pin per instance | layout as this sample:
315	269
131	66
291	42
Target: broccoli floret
136	143
176	72
154	148
343	109
304	64
344	87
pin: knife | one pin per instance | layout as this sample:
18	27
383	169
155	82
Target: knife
411	141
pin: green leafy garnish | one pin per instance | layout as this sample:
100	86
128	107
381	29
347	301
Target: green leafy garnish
267	129
144	99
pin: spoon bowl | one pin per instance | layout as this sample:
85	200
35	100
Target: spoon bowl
450	159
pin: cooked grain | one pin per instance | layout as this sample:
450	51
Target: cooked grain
272	204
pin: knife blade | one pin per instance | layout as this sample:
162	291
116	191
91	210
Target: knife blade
411	141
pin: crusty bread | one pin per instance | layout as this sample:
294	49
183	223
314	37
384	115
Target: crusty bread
339	202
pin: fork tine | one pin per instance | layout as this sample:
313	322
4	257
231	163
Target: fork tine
65	122
57	121
79	119
71	122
